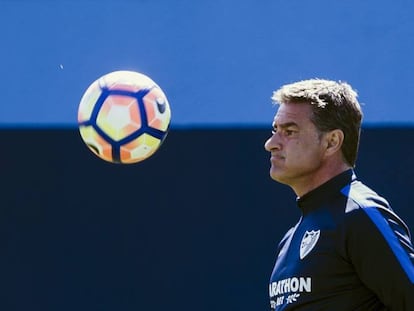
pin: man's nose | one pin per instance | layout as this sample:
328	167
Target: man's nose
272	143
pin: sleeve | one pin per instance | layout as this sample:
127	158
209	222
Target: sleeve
379	246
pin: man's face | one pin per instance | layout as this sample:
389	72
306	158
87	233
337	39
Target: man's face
295	145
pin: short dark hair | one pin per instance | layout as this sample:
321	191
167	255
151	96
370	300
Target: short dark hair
334	105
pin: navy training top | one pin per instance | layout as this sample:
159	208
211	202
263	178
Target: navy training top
349	251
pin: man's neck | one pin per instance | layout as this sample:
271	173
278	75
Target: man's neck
309	183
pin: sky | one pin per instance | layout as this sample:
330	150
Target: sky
218	61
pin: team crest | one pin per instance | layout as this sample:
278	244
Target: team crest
309	240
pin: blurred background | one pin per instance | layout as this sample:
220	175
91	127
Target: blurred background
217	60
197	224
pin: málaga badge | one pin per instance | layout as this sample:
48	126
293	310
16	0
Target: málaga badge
309	240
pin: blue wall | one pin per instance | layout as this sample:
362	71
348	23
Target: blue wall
194	227
218	61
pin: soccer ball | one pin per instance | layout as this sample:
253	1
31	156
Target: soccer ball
123	117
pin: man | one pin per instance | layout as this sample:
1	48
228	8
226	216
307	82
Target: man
349	250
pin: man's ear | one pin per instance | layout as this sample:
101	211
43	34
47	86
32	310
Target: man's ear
334	140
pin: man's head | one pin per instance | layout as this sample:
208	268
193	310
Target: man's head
334	106
315	133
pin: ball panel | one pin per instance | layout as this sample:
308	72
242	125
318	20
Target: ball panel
88	102
126	80
157	109
119	116
96	143
139	149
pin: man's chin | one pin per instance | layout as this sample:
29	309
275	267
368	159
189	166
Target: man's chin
277	176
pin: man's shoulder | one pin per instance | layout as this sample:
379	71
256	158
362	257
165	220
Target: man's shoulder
360	196
364	205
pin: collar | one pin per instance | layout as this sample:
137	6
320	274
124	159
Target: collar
324	192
